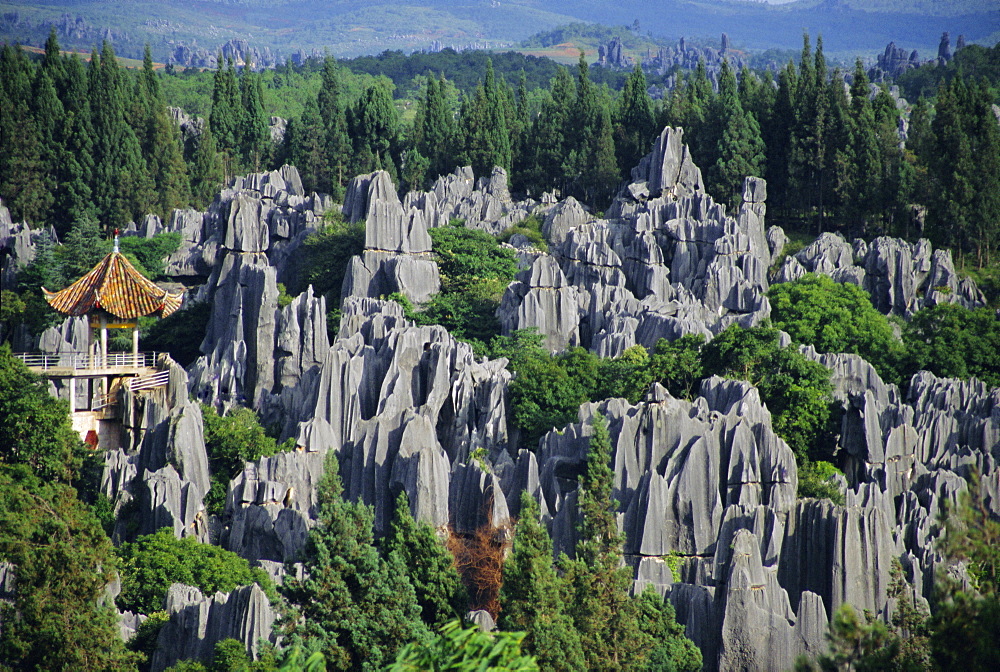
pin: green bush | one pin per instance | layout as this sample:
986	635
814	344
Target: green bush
179	334
836	317
475	271
325	255
469	255
955	342
531	228
151	253
819	480
797	390
154	561
466	650
231	441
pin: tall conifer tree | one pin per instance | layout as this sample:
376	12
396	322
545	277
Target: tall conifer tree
355	606
532	596
634	124
338	143
254	137
207	172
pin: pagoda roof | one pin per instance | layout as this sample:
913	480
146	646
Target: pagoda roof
115	286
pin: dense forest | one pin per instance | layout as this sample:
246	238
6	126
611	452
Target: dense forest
833	154
91	147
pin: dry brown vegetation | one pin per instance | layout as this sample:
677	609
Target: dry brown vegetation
479	558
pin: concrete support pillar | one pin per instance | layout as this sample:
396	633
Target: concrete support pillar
72	395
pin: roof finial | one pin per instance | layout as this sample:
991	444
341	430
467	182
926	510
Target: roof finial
116	241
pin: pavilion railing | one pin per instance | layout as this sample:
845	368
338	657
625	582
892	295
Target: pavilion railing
85	361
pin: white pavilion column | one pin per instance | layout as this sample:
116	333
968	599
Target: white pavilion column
135	345
72	394
104	340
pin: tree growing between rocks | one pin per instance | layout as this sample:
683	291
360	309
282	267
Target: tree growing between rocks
355	606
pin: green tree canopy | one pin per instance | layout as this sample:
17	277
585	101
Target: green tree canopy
532	596
35	429
796	390
836	317
58	618
457	649
429	565
955	342
154	561
356	607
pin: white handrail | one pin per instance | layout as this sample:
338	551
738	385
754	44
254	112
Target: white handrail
84	361
147	382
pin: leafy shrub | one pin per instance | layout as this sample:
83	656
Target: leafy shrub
836	317
955	342
35	428
531	228
455	648
677	364
151	253
819	480
796	390
475	271
325	255
154	561
231	441
179	334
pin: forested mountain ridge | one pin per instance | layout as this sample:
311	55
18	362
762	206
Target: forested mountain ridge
727	436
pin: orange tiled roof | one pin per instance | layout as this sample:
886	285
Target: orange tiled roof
115	286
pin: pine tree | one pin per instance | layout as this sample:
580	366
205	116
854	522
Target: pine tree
865	153
548	147
226	114
740	148
634	124
123	189
807	158
429	566
75	168
531	596
591	166
376	126
254	137
207	173
338	142
965	207
839	183
605	615
437	129
162	146
741	154
52	62
486	135
355	606
23	161
777	133
306	145
672	650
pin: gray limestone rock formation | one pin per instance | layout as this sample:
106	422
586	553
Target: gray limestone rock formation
484	204
197	622
669	168
901	277
542	297
397	246
561	218
271	506
707	490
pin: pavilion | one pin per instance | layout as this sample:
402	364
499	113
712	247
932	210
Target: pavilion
113	295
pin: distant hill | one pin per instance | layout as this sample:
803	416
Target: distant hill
354	27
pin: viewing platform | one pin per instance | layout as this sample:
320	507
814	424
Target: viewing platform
90	365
